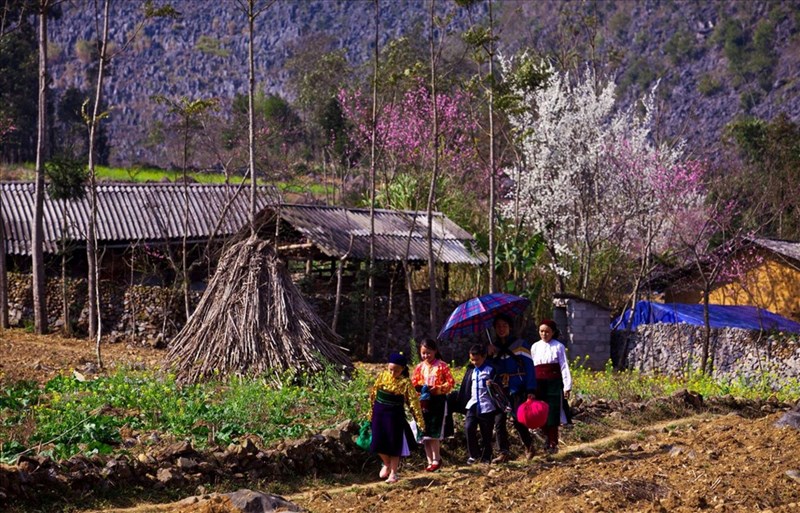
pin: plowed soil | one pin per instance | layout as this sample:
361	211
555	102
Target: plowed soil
715	463
731	462
24	356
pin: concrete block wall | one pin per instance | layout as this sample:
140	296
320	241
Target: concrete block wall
585	330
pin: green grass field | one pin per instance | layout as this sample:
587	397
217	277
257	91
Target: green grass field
25	172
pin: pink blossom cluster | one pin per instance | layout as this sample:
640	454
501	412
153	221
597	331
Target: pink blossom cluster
662	177
404	130
741	264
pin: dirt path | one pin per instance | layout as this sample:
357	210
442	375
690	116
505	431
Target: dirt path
448	471
724	463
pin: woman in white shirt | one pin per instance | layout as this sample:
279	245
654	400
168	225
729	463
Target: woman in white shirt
553	379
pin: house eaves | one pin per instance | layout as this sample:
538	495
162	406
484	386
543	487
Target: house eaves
399	235
130	213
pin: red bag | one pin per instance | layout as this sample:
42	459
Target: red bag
533	413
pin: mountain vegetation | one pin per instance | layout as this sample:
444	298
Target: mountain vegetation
715	82
714	61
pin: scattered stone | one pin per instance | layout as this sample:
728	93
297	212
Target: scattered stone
793	474
186	464
791	418
689	397
146	459
249	501
169	477
678	450
177	450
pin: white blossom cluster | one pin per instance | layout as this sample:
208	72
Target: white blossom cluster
592	176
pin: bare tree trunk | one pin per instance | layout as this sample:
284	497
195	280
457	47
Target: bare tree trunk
370	304
95	324
337	303
706	330
3	272
184	265
389	307
37	235
432	189
412	307
492	182
249	7
64	288
251	134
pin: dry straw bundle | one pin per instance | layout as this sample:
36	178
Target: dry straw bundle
252	319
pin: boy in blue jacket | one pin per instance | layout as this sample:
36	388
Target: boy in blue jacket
479	408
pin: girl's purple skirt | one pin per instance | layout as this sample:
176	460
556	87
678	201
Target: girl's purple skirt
391	434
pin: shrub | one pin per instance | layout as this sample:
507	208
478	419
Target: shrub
708	85
681	47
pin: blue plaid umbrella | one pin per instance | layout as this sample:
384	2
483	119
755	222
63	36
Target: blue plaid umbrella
478	313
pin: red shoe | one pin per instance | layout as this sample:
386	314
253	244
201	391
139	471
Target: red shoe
433	467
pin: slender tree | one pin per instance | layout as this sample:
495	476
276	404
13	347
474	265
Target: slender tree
434	315
252	11
483	40
188	113
67	182
93	120
6	127
37	235
370	305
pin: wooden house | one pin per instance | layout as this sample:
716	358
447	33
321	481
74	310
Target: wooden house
760	272
134	222
149	219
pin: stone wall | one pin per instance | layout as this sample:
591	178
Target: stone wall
734	353
135	314
153	315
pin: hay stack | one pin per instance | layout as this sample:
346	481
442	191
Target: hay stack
252	319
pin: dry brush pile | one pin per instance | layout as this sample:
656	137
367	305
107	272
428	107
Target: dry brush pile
252	319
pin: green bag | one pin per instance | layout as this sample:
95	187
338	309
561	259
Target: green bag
364	435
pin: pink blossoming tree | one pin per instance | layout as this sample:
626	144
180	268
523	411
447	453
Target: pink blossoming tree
404	135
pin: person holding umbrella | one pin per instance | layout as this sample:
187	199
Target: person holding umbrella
515	374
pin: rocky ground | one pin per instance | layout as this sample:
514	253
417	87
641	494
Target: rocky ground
686	456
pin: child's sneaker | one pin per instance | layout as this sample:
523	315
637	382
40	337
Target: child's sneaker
471	461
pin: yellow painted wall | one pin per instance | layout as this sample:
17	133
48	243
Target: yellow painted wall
771	284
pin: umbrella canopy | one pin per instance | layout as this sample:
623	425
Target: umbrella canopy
478	313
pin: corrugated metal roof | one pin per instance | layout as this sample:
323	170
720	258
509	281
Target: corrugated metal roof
130	212
155	212
339	231
782	247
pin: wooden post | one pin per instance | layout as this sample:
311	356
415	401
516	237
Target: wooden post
337	302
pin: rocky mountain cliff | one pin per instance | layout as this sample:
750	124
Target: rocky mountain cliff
715	60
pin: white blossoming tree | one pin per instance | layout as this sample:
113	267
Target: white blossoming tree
594	183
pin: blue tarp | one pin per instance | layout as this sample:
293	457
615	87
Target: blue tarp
720	316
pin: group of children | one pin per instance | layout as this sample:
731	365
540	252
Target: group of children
509	368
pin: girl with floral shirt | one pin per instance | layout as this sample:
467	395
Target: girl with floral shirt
433	379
